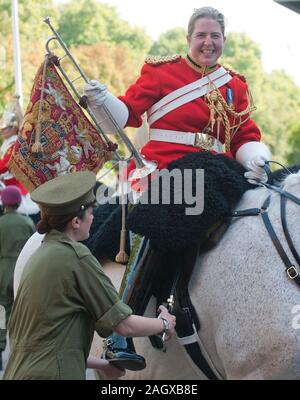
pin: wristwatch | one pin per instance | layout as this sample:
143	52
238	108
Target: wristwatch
166	325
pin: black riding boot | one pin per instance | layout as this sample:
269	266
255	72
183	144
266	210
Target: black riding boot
118	352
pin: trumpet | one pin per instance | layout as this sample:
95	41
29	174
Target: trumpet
143	167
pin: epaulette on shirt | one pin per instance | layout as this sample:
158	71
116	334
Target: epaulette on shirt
158	60
241	77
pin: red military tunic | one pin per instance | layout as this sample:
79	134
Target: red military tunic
6	150
157	81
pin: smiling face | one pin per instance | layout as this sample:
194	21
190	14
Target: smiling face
206	42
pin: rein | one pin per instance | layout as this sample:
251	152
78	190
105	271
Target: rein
291	269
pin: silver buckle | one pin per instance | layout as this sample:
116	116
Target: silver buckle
292	272
204	141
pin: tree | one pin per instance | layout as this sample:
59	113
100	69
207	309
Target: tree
293	154
171	42
87	22
111	64
112	51
76	22
33	34
278	111
243	55
276	96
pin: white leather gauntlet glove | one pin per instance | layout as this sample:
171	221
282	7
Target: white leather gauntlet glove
252	156
256	172
99	99
95	92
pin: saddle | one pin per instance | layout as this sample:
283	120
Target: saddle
169	225
161	272
168	274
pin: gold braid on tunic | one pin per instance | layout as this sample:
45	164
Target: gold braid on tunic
220	111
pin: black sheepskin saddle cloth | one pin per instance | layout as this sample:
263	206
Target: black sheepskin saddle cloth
168	226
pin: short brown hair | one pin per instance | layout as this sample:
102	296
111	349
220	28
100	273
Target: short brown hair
206	12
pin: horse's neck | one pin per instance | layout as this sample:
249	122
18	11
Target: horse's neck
292	184
253	198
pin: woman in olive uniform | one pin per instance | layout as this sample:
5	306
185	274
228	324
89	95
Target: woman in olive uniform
64	295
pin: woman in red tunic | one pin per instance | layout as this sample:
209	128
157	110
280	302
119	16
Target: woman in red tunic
198	114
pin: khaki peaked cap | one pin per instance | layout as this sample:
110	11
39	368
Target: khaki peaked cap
66	194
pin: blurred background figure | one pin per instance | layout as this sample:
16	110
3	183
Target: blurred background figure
15	230
2	187
9	126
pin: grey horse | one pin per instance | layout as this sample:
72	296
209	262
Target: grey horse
248	307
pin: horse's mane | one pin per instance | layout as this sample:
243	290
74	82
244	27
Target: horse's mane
280	174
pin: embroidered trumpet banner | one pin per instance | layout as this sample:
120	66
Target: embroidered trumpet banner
66	139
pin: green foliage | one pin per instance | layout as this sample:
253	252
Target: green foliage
171	42
278	110
244	56
293	154
7	78
79	23
275	95
112	51
31	15
112	64
86	22
33	34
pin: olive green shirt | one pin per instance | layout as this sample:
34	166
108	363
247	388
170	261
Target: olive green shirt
62	298
15	230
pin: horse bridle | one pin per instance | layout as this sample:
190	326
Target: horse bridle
290	267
